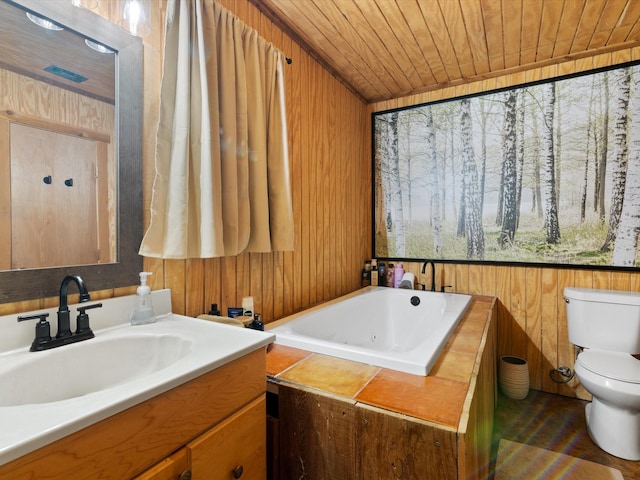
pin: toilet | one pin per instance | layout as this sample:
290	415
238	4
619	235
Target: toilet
606	324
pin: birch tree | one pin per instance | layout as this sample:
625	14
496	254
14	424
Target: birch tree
558	140
587	155
509	174
484	115
395	185
603	151
473	222
551	224
619	166
432	161
520	110
379	207
626	243
461	230
410	178
537	183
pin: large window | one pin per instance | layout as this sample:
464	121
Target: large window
546	173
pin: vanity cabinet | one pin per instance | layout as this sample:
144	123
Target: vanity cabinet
234	449
210	425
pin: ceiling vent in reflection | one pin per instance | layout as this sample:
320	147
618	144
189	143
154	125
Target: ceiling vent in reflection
66	74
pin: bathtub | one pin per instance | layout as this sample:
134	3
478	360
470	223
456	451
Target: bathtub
393	328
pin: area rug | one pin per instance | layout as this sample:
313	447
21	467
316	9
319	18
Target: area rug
524	462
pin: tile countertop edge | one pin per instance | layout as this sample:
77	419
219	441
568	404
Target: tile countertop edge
464	416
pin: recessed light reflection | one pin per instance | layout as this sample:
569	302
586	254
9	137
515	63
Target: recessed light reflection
98	47
43	22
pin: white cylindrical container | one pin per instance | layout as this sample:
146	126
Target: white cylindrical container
247	306
408	281
513	377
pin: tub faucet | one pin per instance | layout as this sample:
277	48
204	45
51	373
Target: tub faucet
433	273
64	327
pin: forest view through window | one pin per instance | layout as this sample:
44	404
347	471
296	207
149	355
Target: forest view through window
547	173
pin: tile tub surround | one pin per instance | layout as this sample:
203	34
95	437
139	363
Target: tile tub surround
456	399
439	397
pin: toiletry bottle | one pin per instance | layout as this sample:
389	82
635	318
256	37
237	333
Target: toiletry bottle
382	276
397	275
374	272
143	311
390	275
256	324
247	306
365	278
214	310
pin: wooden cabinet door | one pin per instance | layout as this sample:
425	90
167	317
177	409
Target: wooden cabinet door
53	223
174	467
236	448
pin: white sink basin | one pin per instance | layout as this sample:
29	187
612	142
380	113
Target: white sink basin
86	367
47	395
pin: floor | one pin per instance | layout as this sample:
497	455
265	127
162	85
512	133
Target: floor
555	423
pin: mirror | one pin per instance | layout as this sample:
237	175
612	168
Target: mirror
120	266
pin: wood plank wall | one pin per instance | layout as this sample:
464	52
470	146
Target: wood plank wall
531	314
330	172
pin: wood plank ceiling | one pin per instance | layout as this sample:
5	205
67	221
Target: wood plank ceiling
28	49
384	49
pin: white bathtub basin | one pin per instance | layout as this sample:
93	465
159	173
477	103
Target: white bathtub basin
399	329
86	367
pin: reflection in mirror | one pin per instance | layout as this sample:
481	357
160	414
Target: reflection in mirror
70	150
58	111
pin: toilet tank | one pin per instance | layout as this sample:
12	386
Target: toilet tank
603	319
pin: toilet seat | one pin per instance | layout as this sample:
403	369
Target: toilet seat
614	365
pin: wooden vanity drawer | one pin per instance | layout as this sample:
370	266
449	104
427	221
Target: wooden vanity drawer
175	467
234	449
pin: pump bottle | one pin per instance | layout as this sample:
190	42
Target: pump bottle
143	311
397	275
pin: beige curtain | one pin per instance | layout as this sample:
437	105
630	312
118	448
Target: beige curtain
222	183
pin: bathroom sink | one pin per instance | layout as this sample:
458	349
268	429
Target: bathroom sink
87	367
50	394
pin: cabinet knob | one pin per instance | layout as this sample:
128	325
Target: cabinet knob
238	471
186	475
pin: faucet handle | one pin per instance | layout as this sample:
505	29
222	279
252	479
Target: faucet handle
88	307
443	287
82	321
43	330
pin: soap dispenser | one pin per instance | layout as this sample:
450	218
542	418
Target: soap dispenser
143	311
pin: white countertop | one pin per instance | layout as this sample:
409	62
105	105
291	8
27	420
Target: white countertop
25	428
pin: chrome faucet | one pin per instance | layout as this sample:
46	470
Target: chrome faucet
64	327
64	336
433	273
